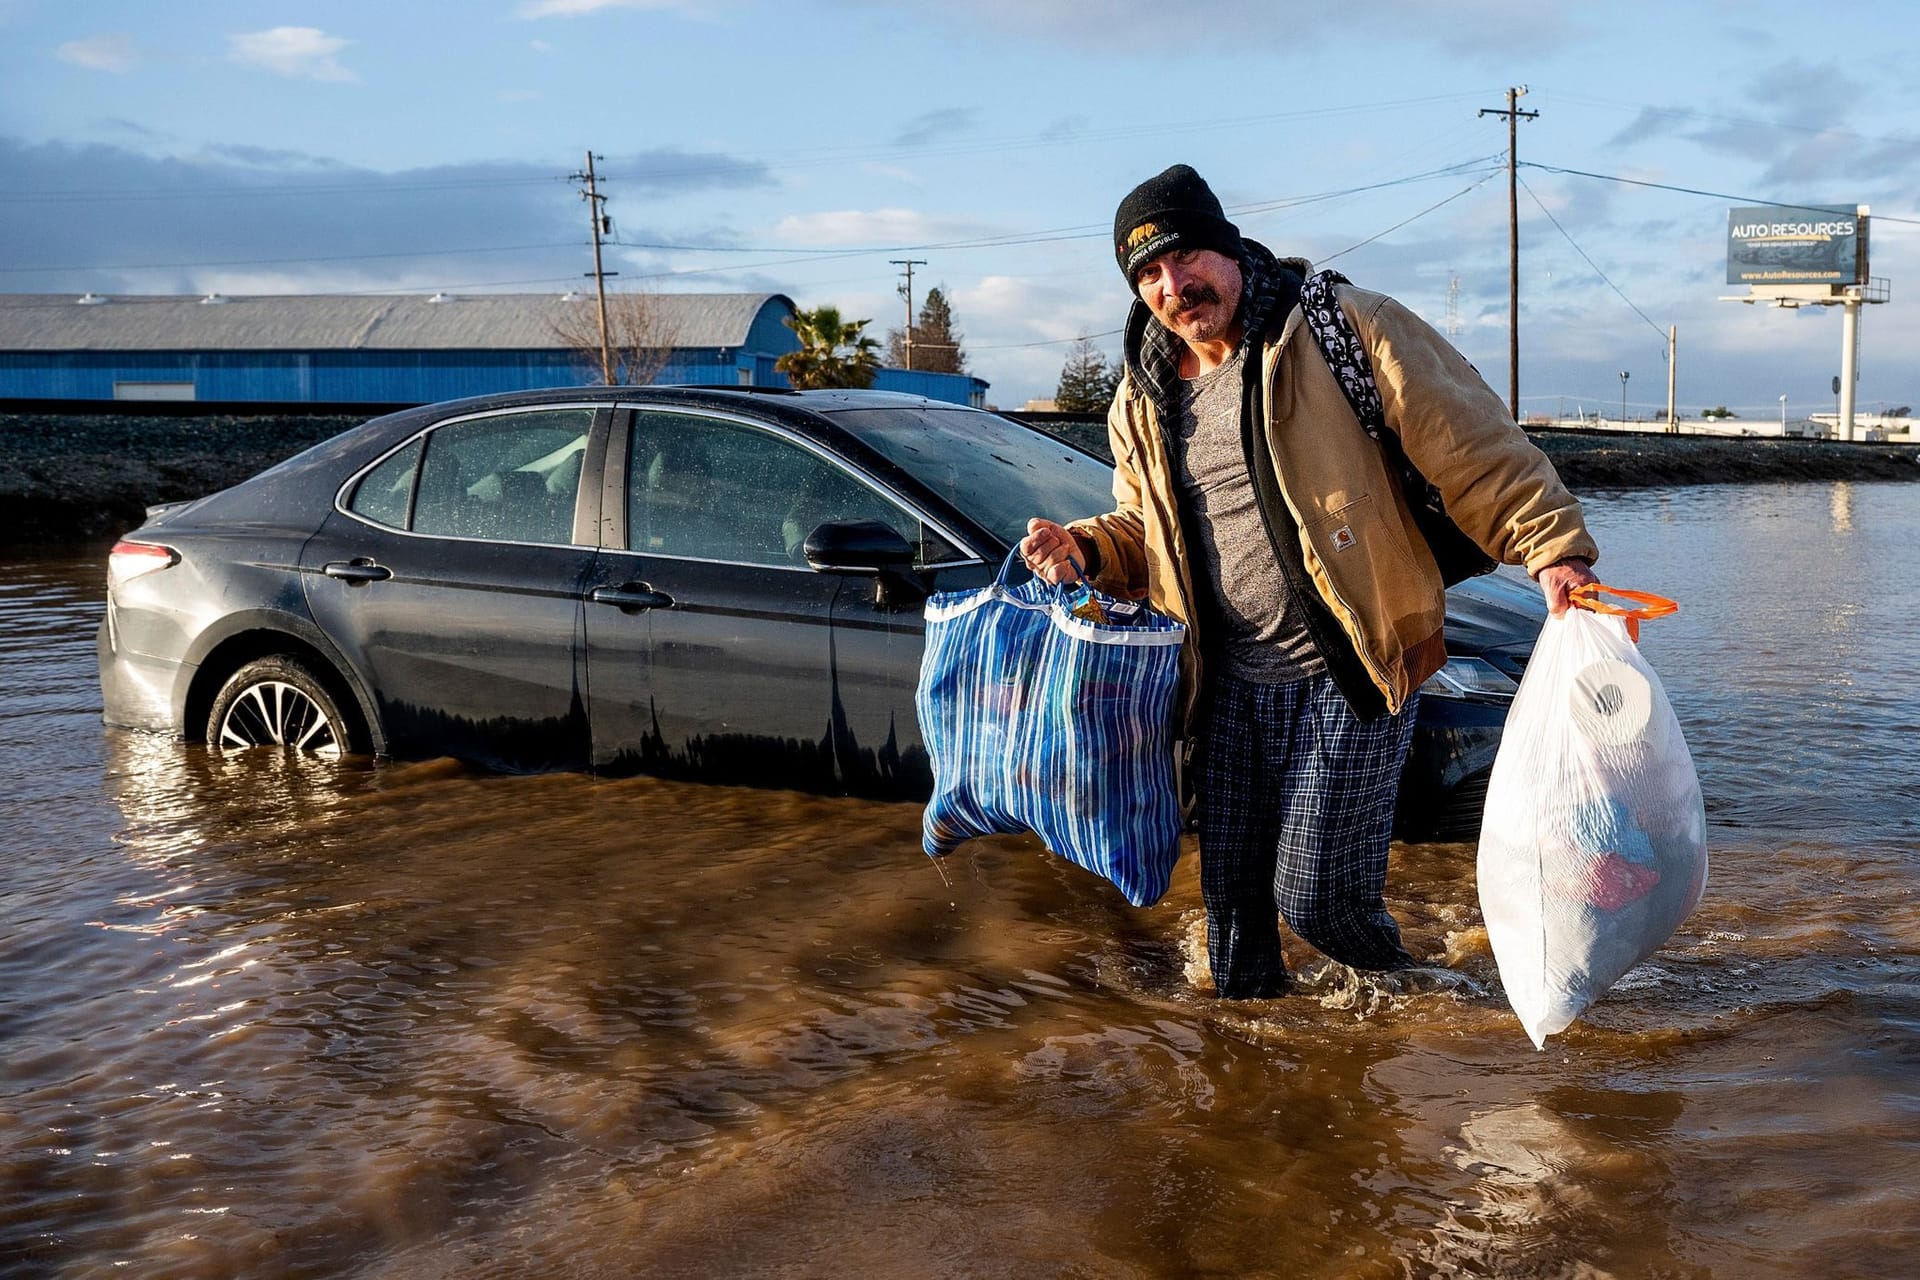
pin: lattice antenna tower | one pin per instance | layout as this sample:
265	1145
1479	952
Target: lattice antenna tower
1453	308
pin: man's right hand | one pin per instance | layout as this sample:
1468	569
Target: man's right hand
1046	549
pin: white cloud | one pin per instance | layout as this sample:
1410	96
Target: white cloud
892	172
1001	314
519	95
1025	310
110	52
575	8
882	227
541	46
295	52
1479	29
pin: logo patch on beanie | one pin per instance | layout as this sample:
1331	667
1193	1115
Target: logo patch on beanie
1141	234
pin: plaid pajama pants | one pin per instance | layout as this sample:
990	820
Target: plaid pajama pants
1296	802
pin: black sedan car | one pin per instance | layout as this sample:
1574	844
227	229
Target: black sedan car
704	583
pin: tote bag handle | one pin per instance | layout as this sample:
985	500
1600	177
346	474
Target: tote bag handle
1014	557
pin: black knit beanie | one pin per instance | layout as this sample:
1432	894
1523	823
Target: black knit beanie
1172	210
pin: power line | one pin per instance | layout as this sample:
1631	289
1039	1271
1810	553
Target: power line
1053	342
287	189
1695	191
1777	125
442	287
1053	235
274	262
1083	231
797	160
1590	262
1046	342
1425	175
1404	221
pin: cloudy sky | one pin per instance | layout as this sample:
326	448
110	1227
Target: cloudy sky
801	146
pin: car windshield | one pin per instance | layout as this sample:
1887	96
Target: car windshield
995	471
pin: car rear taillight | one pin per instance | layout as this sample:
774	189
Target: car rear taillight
130	560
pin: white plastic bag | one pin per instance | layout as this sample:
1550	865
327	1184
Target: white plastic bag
1593	843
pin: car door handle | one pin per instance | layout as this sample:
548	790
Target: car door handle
631	595
357	571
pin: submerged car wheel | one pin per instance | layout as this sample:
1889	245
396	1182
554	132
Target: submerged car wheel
277	702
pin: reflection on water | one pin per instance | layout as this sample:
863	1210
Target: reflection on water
413	1020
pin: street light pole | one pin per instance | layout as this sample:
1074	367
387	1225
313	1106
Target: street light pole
1624	375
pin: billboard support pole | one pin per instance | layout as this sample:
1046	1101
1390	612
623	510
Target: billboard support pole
1849	359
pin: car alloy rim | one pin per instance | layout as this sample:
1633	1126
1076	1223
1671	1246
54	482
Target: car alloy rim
276	714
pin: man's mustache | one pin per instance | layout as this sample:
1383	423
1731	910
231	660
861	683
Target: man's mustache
1195	295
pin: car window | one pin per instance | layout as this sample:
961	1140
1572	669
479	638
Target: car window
509	478
709	489
384	493
995	470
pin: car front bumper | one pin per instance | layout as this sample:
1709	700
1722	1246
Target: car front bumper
1444	784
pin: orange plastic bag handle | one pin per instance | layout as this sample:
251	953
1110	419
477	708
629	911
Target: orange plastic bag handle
1587	596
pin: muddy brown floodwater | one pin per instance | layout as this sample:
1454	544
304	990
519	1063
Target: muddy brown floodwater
407	1020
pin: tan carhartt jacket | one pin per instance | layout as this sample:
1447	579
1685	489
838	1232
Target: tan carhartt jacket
1361	548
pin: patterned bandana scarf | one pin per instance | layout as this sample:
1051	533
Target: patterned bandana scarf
1267	292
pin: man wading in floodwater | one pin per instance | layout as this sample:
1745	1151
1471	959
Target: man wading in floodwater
1250	504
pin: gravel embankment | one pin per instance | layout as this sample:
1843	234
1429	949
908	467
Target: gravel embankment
1592	461
73	478
1595	461
68	478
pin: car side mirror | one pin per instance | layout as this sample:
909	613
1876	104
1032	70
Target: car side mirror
857	546
868	547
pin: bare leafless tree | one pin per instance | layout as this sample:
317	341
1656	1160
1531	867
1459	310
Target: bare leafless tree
642	335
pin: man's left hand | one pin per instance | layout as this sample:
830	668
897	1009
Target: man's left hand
1560	577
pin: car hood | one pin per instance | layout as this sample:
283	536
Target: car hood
1493	612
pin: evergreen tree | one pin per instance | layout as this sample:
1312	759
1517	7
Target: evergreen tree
936	347
1087	381
833	352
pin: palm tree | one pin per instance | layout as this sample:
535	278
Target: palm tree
833	352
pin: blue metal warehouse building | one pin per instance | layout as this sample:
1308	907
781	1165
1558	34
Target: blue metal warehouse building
384	349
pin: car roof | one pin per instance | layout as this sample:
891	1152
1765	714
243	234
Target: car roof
777	400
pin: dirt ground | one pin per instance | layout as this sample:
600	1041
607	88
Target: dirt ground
73	479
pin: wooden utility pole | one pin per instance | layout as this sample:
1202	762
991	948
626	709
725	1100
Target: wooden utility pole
1513	115
906	291
601	225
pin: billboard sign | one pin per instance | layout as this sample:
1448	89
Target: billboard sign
1809	244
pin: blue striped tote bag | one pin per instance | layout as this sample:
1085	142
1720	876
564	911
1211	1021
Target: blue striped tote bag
1050	710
